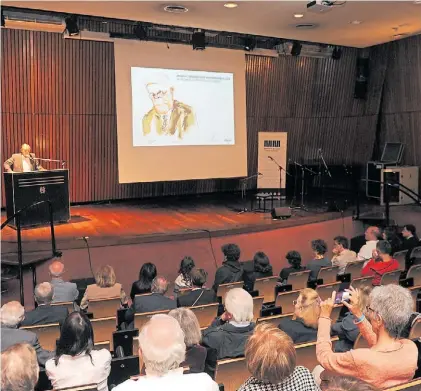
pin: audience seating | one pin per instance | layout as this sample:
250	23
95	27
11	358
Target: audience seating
415	332
414	292
43	383
416	254
285	301
184	291
400	257
414	385
328	274
70	305
274	320
103	328
125	338
103	308
325	291
103	345
142	318
122	368
298	280
306	354
360	342
266	287
414	272
391	278
354	269
224	288
361	282
232	373
47	334
205	314
143	294
88	387
257	307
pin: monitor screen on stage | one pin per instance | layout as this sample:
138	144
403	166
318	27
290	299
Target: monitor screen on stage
181	114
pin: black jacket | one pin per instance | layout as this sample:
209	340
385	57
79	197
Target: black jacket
250	275
298	331
45	314
195	359
136	291
230	271
315	265
286	271
149	303
409	244
347	331
187	300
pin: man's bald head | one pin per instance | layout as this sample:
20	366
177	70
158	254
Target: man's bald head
56	269
373	233
159	285
12	313
44	293
161	345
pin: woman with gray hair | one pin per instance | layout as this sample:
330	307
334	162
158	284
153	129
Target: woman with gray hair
195	353
390	360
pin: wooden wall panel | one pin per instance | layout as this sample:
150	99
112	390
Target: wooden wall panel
59	96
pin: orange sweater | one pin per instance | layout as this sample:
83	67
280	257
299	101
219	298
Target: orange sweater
381	369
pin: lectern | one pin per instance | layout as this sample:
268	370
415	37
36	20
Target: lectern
26	188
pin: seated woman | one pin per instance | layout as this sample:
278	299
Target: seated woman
195	353
390	360
105	288
271	360
76	363
143	285
259	267
390	234
184	280
294	259
320	259
346	329
303	326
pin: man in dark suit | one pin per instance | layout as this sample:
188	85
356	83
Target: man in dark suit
410	240
22	162
45	313
198	295
12	314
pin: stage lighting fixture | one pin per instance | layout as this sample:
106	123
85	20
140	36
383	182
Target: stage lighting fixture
71	25
198	40
337	53
249	44
140	31
296	49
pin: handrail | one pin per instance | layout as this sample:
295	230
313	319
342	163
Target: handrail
22	210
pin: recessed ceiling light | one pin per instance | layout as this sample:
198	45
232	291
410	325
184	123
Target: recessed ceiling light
298	15
175	9
356	22
230	5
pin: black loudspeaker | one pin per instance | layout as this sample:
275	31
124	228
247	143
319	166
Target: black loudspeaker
281	213
361	83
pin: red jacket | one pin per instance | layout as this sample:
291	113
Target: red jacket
378	268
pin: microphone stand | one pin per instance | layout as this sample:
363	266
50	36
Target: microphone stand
326	169
303	170
62	162
280	168
244	182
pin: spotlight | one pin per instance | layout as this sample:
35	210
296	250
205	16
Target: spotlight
71	25
337	53
249	44
296	49
198	40
140	31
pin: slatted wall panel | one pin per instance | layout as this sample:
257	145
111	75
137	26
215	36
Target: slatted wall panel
58	95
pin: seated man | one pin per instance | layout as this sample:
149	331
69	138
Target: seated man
63	290
157	301
231	269
227	336
162	349
45	313
341	254
198	295
11	316
410	240
372	236
382	262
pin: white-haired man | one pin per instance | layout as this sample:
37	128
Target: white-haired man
22	162
63	290
11	316
162	350
227	336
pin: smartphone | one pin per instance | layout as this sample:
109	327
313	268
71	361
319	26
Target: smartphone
341	296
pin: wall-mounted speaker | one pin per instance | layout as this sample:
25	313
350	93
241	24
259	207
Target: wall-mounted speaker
362	75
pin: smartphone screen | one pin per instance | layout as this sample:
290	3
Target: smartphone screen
341	296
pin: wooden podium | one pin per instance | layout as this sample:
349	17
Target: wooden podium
26	188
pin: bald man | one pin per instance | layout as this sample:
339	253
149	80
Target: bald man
63	291
24	161
372	236
45	313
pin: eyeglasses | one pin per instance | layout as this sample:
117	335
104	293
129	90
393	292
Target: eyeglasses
158	94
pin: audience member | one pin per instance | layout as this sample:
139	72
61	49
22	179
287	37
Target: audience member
143	285
106	287
63	290
76	363
333	382
19	368
271	360
231	269
162	350
259	267
342	255
11	316
346	329
372	236
227	336
320	259
294	259
199	295
45	313
184	280
390	234
303	326
382	262
195	353
410	240
390	360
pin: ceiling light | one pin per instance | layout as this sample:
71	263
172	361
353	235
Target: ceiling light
230	5
175	9
71	25
298	15
356	22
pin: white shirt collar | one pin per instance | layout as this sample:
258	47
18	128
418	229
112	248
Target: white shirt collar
239	324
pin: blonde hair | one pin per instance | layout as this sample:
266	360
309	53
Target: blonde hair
19	368
310	307
105	276
270	354
239	304
189	324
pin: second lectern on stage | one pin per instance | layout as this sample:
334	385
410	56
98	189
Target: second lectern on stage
26	188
